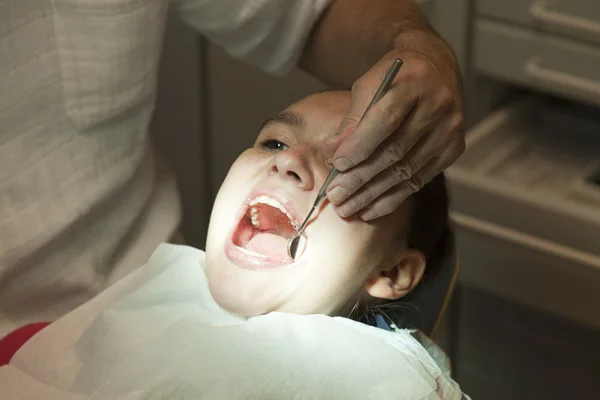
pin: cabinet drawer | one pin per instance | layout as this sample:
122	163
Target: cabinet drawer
527	210
517	353
574	18
525	269
538	60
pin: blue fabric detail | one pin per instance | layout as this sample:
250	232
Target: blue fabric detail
380	322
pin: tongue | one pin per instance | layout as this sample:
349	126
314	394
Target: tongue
270	245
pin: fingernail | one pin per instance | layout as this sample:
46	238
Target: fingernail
343	163
337	195
368	215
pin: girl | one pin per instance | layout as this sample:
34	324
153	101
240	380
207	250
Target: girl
252	322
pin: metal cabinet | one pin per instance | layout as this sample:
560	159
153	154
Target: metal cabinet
526	203
527	208
578	19
550	46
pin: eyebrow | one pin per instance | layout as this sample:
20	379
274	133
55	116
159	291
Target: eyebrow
287	118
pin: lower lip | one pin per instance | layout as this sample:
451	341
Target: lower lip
248	261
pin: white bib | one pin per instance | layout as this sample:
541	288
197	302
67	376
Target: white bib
158	334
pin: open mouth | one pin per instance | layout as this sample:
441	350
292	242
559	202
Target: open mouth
264	230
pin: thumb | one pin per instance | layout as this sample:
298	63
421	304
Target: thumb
362	95
345	139
358	104
331	145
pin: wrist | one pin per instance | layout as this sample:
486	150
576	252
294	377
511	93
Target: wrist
423	43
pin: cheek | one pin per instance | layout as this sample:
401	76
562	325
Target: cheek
243	175
352	248
250	163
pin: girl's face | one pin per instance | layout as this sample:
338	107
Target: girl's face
270	188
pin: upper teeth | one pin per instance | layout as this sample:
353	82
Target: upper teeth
254	216
270	201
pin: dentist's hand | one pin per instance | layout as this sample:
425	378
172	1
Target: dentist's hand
412	134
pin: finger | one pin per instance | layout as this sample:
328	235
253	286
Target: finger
378	124
421	154
393	198
387	156
331	145
361	95
416	84
363	91
394	175
399	146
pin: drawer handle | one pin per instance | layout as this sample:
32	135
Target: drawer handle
533	69
524	239
540	12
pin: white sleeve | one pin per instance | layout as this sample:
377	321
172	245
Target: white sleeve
269	34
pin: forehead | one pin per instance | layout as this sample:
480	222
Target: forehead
316	117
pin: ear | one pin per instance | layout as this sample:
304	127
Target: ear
397	280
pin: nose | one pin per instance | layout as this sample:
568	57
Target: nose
294	164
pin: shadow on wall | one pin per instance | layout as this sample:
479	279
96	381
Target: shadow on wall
177	127
240	98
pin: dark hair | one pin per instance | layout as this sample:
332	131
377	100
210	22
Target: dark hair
429	224
428	230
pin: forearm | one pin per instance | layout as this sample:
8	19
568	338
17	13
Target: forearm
353	35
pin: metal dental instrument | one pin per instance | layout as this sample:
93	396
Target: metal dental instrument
294	241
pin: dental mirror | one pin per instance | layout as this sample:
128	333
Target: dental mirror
294	241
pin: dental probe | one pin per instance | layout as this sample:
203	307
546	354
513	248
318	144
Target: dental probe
294	241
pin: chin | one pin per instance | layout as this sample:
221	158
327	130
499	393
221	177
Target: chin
235	291
248	268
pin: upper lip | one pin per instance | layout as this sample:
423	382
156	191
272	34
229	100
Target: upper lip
287	201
